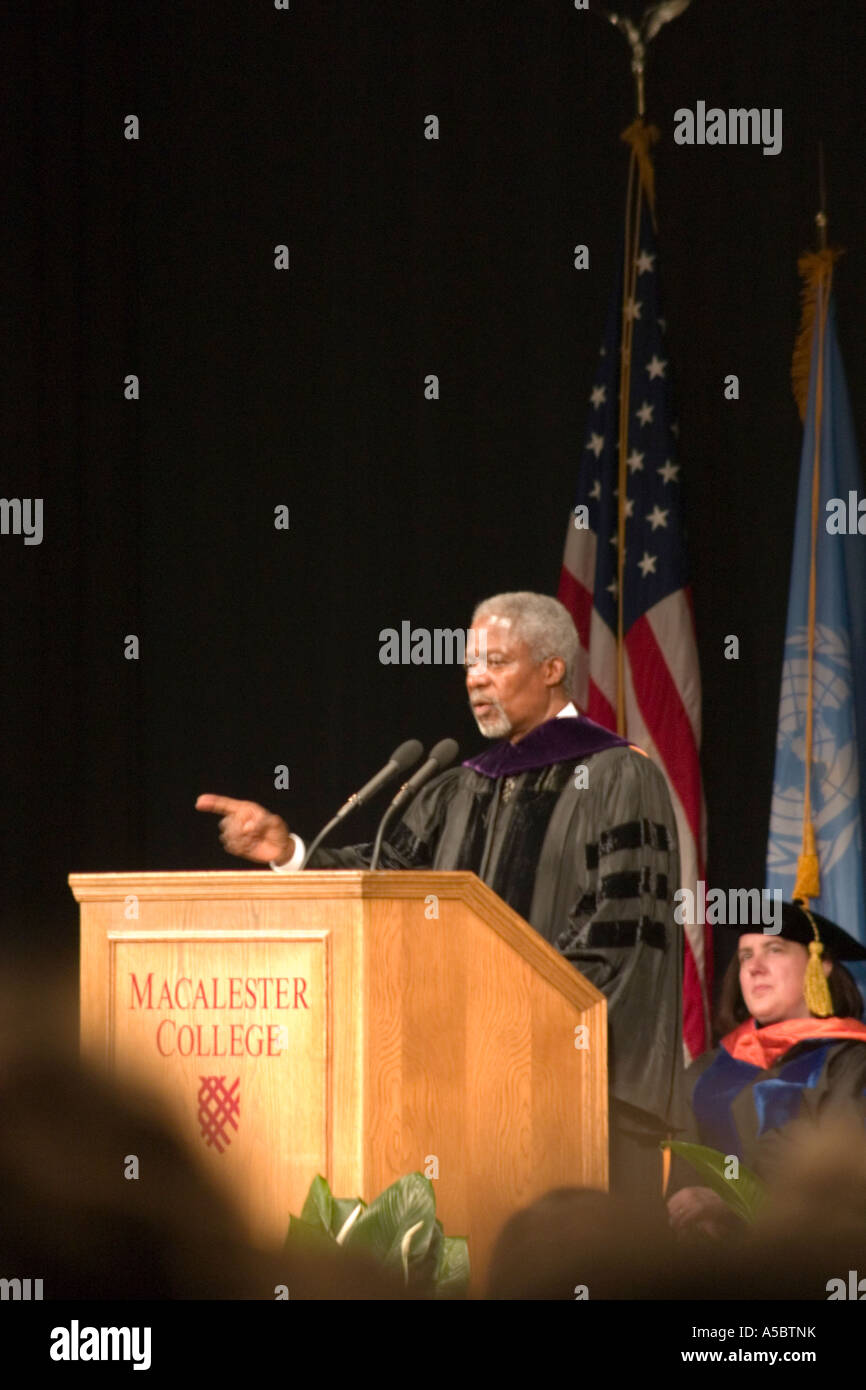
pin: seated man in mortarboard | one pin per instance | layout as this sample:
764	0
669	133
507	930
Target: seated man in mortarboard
792	1055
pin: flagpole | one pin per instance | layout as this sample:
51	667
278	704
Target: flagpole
683	777
821	215
817	271
631	247
809	868
632	231
640	137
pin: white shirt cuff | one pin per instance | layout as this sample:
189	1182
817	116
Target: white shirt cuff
292	865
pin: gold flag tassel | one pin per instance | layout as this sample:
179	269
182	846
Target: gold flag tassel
641	138
816	990
816	268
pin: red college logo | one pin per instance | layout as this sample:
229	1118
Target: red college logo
218	1107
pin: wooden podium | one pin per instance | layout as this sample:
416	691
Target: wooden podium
359	1025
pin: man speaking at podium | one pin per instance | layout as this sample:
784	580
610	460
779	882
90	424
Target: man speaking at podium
573	828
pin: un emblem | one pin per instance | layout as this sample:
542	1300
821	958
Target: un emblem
835	774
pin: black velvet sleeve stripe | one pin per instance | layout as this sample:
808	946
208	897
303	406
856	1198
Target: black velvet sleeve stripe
610	935
628	884
405	850
634	883
630	835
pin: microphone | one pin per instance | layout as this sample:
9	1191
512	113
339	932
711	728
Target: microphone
400	761
440	757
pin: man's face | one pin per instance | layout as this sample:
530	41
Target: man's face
772	972
509	692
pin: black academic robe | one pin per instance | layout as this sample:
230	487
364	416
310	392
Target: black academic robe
594	869
758	1113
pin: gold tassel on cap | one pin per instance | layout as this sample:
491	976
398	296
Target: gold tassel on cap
816	990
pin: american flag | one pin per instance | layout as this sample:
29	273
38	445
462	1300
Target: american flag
660	707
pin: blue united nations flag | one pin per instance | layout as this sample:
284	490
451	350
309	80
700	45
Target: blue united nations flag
816	824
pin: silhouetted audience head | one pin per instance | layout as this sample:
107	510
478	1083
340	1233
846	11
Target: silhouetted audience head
69	1216
578	1243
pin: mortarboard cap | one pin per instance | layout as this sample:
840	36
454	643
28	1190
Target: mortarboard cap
819	935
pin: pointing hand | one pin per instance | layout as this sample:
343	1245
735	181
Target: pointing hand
249	830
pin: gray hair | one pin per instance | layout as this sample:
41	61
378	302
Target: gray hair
542	622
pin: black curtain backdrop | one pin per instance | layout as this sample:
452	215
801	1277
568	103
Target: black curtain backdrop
305	387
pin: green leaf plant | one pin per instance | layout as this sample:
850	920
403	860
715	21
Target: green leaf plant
399	1229
745	1194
